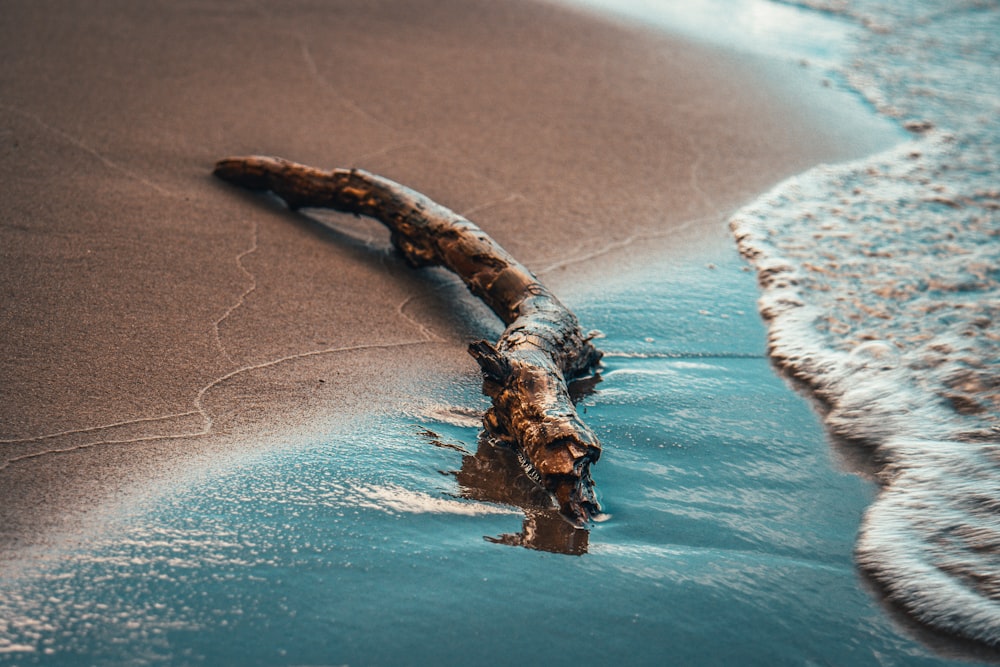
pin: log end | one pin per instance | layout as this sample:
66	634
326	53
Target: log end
253	173
298	185
576	497
533	412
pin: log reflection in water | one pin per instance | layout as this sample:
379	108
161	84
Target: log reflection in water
495	475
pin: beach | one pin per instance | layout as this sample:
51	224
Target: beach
160	326
135	281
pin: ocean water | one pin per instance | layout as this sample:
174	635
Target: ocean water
881	278
882	291
405	540
732	533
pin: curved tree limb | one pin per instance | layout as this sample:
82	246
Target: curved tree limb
526	372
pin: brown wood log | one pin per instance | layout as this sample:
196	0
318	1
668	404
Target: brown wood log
526	372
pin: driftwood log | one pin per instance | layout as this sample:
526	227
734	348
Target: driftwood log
526	372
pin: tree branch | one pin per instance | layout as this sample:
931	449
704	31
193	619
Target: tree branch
526	372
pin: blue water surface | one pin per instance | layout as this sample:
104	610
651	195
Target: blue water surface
728	540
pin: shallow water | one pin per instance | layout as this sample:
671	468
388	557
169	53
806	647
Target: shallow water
729	534
882	277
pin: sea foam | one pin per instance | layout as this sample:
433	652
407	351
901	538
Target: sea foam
881	288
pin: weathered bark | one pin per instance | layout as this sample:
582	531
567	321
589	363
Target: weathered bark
526	372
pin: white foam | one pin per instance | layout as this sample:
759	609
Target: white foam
6	647
394	498
755	26
881	288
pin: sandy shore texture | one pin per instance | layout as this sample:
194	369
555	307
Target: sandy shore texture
152	316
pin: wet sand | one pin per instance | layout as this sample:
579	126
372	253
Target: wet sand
152	317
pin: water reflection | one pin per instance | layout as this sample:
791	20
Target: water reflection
494	475
546	531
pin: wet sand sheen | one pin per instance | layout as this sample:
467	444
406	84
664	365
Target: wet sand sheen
153	317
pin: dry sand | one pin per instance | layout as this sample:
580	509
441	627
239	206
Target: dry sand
151	316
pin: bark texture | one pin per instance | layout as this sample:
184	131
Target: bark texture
526	372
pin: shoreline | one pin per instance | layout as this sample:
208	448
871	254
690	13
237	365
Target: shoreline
140	283
910	384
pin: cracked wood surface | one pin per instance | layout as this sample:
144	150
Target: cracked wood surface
526	372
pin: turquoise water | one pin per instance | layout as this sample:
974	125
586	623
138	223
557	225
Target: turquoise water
728	540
